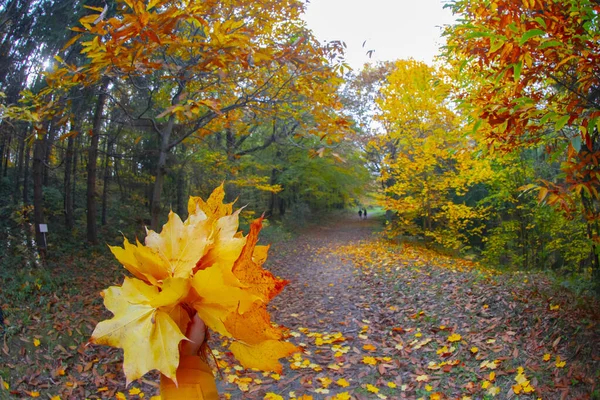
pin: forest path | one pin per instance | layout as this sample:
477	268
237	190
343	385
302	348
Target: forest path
399	321
324	299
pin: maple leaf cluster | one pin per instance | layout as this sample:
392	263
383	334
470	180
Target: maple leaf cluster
201	265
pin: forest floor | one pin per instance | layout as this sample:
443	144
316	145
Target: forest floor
375	320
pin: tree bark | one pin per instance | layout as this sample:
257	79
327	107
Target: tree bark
68	196
92	226
7	156
106	179
161	172
38	195
19	172
165	137
26	175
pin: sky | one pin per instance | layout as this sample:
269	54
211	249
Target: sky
395	29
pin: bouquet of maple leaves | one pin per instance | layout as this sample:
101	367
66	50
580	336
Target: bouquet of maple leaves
202	265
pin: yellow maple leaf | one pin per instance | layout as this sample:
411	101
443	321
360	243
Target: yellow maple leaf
272	396
455	337
134	391
371	388
141	327
546	357
36	342
57	397
264	355
342	382
369	360
34	394
422	378
120	396
559	363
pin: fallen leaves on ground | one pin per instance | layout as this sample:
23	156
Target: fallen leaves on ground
436	327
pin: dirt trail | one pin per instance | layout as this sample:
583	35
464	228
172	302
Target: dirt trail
324	297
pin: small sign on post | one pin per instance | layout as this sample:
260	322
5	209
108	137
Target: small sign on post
44	230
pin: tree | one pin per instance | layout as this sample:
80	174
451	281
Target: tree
429	165
192	63
531	77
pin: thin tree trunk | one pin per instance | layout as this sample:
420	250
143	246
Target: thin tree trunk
106	178
161	170
7	156
68	198
19	172
74	173
38	196
26	175
3	133
48	142
92	227
181	209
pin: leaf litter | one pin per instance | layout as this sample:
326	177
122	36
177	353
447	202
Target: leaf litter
374	319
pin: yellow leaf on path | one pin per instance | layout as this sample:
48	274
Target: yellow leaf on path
5	385
369	360
57	397
546	357
371	388
422	378
272	396
120	396
134	391
264	356
36	342
455	337
342	382
34	394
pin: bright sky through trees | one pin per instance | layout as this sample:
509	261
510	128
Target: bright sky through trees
393	28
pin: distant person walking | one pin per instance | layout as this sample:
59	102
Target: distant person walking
365	212
359	214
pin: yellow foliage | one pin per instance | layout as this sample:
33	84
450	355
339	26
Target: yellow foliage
201	265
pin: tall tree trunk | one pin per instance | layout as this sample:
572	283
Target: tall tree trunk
74	173
106	179
161	170
4	135
181	209
7	156
38	195
19	172
26	175
48	142
68	196
92	227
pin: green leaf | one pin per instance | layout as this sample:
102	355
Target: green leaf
547	117
477	125
561	122
529	34
517	67
497	43
541	21
550	43
576	142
